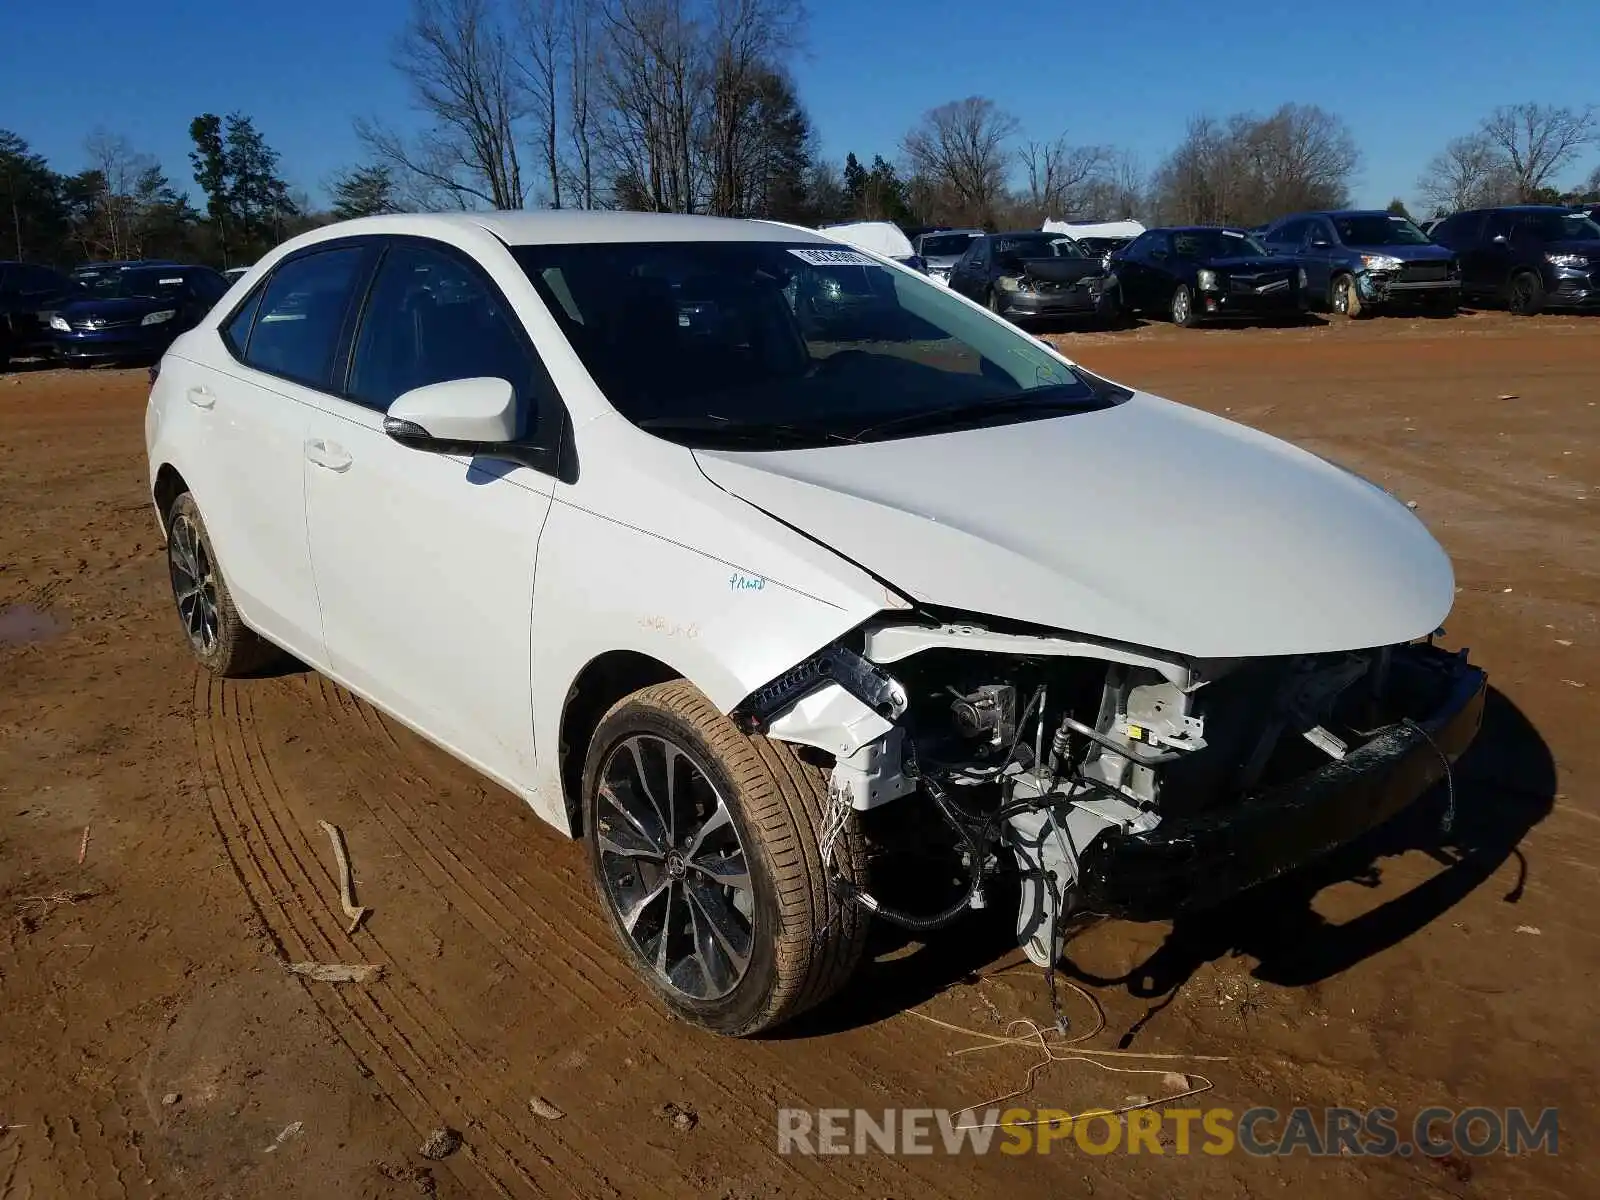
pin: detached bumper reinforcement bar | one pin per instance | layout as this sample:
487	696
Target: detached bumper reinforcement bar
1200	861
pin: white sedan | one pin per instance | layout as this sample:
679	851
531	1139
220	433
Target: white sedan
758	561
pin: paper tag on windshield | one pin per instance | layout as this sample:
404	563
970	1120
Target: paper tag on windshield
819	257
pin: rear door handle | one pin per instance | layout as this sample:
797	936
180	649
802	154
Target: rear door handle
328	454
201	397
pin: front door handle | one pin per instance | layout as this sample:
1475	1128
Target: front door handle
201	397
328	454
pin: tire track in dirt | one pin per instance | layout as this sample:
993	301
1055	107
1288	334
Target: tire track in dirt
403	1073
458	857
406	1027
50	1155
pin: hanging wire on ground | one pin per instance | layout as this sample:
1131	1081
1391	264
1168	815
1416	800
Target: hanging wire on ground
1069	1049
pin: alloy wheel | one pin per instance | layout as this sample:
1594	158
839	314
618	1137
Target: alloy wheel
675	870
194	584
1180	307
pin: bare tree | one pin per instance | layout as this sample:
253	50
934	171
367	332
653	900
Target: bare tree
457	57
583	60
118	168
1060	175
1536	141
746	37
1591	186
1121	189
1249	169
655	104
1468	173
960	150
543	26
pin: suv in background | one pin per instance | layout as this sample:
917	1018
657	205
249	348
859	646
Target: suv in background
28	296
1359	261
1527	257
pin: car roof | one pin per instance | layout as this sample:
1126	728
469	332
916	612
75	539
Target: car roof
570	226
1200	229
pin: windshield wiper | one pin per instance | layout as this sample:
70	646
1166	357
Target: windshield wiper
720	428
1037	400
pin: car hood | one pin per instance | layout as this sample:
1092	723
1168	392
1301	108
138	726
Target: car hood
1054	270
1148	523
1590	249
115	309
1248	262
1430	253
943	261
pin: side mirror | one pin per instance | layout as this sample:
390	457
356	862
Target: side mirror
1320	243
460	416
1499	239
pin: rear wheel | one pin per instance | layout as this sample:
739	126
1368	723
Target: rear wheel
1182	308
1525	293
217	636
705	848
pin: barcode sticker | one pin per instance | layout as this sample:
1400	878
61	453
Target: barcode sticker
818	257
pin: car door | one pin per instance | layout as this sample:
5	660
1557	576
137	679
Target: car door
1129	266
1497	253
1318	255
964	273
424	562
1161	273
250	407
1463	234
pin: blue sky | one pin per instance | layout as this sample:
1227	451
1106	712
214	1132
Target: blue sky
1407	75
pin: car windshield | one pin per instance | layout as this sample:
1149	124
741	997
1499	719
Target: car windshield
1378	229
147	283
1036	245
946	245
1561	227
771	345
1216	243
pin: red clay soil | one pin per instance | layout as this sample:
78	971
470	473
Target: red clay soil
153	1042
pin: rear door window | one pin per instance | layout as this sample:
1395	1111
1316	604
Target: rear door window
301	314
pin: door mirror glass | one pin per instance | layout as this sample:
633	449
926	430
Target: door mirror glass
459	416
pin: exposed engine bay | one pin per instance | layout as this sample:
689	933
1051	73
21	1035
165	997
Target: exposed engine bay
1112	778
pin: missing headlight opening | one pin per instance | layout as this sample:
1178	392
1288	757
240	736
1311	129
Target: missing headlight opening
1111	780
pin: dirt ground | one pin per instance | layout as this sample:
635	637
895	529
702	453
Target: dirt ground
152	1042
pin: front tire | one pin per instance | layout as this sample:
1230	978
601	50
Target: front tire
1345	299
704	845
1525	294
217	636
1181	308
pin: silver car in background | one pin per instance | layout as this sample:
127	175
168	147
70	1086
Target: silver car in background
942	249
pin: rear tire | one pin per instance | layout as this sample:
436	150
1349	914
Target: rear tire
217	637
734	958
1525	293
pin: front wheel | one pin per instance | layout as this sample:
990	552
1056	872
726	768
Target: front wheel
705	847
1346	297
1182	308
1525	294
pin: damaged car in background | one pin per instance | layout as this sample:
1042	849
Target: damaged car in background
1033	276
762	588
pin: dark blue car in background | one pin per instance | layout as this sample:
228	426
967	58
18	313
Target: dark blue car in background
132	312
1357	262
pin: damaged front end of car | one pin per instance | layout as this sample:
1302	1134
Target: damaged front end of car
1116	780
